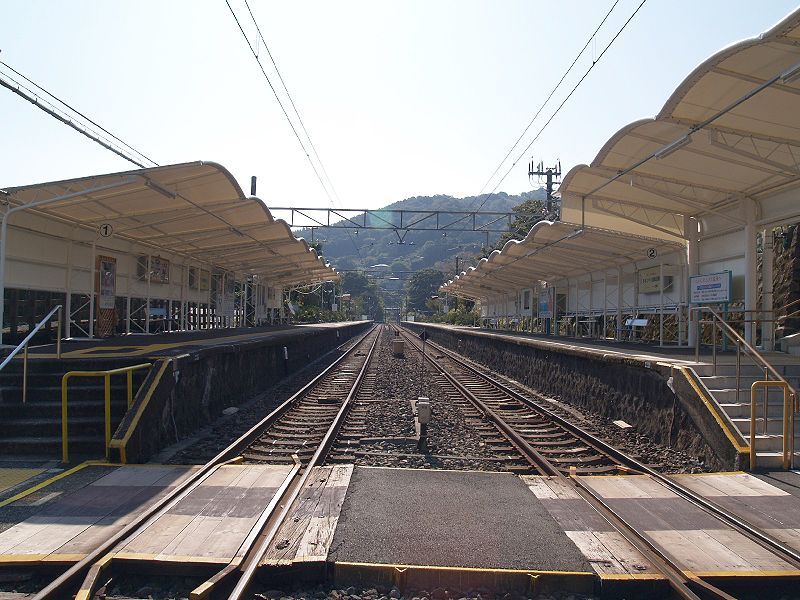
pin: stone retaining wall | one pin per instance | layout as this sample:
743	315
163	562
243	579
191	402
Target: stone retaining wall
612	386
182	394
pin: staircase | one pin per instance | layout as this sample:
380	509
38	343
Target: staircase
736	404
33	428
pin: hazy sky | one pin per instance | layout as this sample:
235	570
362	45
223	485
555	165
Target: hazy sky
400	98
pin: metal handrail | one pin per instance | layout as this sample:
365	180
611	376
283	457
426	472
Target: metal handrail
788	419
24	344
759	361
106	375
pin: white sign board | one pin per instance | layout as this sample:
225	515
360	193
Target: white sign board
547	304
710	289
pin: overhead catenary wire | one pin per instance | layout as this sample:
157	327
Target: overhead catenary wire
286	114
79	113
563	102
550	95
51	109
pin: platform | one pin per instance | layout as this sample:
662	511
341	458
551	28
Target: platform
640	352
68	517
167	344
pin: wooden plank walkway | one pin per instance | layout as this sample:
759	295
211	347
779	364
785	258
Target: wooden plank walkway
696	541
209	525
307	532
74	523
607	551
772	509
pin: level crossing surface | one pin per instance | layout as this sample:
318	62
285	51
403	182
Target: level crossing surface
426	521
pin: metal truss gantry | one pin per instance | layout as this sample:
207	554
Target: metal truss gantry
399	221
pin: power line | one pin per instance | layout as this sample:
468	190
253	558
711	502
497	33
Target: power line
553	91
48	107
294	106
76	111
286	114
563	102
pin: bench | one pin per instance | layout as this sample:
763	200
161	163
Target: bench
633	324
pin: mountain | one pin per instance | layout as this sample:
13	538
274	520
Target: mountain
348	249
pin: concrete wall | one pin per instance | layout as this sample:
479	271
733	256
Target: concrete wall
612	386
184	393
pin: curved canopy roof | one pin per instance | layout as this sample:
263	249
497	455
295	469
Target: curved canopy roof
551	250
195	210
730	130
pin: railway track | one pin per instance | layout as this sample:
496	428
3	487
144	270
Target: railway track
299	432
488	394
528	436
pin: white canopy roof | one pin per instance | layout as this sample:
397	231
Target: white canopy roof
551	251
731	130
196	210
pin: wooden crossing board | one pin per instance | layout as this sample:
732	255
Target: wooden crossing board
694	540
211	522
772	509
606	550
307	532
74	523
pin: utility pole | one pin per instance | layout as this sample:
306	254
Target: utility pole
552	177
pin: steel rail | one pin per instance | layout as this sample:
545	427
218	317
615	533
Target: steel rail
678	580
61	587
255	555
741	525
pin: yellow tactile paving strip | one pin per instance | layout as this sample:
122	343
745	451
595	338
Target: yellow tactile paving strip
103	351
11	477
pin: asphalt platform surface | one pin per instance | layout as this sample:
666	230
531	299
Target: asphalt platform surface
449	518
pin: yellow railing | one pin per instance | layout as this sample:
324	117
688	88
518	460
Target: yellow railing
789	400
106	375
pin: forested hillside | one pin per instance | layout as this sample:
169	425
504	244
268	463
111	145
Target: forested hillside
346	249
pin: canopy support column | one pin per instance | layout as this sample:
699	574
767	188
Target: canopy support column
751	269
692	258
620	299
767	306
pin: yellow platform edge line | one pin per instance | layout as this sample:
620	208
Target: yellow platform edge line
632	577
791	573
466	569
46	482
710	406
709	473
122	444
67	473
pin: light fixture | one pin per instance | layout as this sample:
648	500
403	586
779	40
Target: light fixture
672	146
160	189
791	74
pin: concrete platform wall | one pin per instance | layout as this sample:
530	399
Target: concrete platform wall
614	387
183	393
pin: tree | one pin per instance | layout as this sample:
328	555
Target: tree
422	286
365	296
528	214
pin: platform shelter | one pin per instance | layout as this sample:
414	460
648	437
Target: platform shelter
675	212
178	247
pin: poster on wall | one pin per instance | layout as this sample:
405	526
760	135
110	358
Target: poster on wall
546	303
106	286
205	280
159	270
193	278
107	268
649	280
714	288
